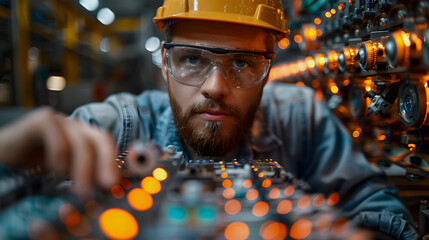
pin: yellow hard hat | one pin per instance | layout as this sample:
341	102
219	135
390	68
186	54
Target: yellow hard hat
260	13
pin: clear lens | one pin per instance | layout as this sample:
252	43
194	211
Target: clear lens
192	66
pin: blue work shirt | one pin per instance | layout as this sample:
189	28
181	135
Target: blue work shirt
291	127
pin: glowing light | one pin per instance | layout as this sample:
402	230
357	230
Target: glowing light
151	185
247	183
333	11
333	199
207	214
300	84
341	6
56	83
266	183
302	66
139	199
237	231
315	84
310	62
301	229
319	200
426	84
273	231
260	209
177	214
255	169
118	224
406	39
289	191
152	44
72	219
252	194
319	32
356	134
339	227
317	21
297	38
228	193
284	43
89	5
284	206
275	193
346	82
117	192
293	68
320	60
334	89
368	88
159	174
106	16
310	34
232	207
227	183
328	14
224	175
126	183
323	222
105	45
304	201
381	137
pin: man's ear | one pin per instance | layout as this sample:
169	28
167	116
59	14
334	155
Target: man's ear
164	70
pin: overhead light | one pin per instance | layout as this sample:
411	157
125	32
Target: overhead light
152	44
104	45
106	16
89	5
56	83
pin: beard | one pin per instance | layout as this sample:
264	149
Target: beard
209	140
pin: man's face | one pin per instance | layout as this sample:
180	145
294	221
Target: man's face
214	117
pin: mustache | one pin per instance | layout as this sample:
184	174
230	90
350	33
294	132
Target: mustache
210	104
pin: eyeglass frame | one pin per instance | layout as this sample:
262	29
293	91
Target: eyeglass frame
268	55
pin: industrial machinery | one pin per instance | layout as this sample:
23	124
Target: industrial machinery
368	59
162	197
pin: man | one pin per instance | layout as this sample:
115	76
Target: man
216	60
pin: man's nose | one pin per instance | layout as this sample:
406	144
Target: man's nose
216	85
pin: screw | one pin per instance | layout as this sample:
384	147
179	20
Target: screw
383	22
357	32
402	14
368	27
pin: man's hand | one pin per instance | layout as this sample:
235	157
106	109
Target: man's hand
63	146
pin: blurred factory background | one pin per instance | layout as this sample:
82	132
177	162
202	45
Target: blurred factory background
64	53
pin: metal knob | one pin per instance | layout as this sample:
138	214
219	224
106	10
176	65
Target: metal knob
371	54
347	59
398	49
320	62
333	61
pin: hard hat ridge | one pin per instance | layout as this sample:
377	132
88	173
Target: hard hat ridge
266	14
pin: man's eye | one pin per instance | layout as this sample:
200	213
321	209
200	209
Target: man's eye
240	63
193	60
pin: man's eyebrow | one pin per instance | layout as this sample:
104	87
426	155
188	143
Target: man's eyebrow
218	50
